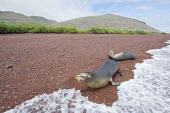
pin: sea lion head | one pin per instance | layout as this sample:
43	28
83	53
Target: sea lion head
84	77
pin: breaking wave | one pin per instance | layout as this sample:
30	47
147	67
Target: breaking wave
148	92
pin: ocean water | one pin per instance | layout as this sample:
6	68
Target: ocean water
148	92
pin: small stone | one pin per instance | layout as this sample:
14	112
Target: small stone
7	85
9	66
6	92
61	55
15	96
127	69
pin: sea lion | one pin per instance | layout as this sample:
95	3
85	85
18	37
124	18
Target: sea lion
121	56
102	76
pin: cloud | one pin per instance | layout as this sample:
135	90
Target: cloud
59	10
160	22
130	1
91	2
144	8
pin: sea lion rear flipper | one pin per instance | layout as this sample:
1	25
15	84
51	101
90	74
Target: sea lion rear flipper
120	73
110	55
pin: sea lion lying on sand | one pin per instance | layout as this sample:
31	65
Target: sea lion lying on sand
102	76
121	56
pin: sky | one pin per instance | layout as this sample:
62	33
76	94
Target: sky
155	13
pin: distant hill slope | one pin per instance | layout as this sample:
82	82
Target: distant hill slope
12	17
108	21
42	20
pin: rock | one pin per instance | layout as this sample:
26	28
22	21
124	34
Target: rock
9	66
6	92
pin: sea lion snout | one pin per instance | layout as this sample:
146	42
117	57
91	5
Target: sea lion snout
79	78
82	77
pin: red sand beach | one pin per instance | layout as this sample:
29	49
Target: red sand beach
33	64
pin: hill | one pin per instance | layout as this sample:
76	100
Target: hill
12	17
42	20
108	21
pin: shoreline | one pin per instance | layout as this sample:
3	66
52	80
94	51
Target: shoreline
43	65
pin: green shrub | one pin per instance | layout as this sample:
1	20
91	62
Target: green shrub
30	27
56	29
130	32
41	29
37	28
105	31
98	30
83	31
12	28
18	28
3	28
116	31
70	29
164	33
140	32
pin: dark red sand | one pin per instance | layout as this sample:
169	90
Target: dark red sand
33	64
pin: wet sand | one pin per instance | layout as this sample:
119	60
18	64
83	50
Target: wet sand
33	64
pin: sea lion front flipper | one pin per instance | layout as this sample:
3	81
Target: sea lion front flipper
114	83
120	73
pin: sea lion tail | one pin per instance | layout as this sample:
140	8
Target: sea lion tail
120	73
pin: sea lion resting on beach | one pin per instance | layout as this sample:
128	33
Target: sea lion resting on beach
102	76
121	56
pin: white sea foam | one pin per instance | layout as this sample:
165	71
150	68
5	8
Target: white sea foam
148	92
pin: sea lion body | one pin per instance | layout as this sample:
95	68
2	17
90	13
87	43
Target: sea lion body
121	56
102	76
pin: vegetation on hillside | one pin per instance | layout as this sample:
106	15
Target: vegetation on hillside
12	17
6	28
